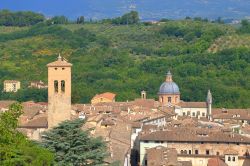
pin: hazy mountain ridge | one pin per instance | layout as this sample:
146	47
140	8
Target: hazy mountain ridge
148	9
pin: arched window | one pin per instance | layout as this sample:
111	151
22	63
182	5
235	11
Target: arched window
185	151
229	159
233	158
63	86
181	151
56	86
162	99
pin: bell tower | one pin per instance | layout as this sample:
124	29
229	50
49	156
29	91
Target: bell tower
59	91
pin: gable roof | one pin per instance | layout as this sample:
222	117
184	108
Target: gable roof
216	162
192	104
60	62
107	95
37	122
191	135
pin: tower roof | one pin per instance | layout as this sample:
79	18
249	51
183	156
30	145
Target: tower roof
61	62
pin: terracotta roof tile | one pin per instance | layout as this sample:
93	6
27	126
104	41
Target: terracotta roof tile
192	104
216	162
107	95
184	134
61	62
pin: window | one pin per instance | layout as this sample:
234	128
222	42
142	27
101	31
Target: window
176	99
196	152
181	151
63	86
207	152
169	99
184	114
193	114
55	68
190	152
56	86
146	162
198	113
162	99
203	114
185	151
63	68
14	87
217	153
229	159
233	158
188	113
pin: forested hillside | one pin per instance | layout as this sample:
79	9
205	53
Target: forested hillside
126	59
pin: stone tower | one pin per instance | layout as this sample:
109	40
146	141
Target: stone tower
59	91
143	94
209	104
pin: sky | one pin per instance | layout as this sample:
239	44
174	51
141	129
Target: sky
148	9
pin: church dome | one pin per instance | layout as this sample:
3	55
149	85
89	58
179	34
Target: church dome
169	87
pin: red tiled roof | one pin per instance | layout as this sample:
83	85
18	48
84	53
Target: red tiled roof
61	62
240	114
37	122
192	104
216	162
191	135
107	95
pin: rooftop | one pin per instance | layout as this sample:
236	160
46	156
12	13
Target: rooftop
185	134
61	62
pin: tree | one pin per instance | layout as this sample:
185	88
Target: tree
16	149
24	18
58	20
73	146
80	20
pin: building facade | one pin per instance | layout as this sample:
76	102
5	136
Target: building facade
11	85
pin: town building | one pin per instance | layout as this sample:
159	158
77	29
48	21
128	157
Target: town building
103	98
38	85
197	145
11	85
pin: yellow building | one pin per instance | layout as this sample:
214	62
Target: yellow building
103	98
11	85
59	92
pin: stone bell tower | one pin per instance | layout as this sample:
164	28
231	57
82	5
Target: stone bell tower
59	91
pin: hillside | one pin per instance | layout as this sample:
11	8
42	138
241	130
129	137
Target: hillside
128	59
